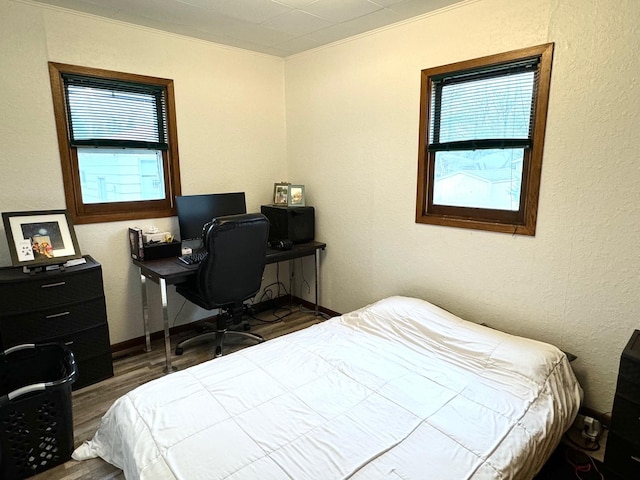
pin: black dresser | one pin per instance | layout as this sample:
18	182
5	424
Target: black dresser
622	455
61	306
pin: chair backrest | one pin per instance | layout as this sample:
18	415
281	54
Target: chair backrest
237	248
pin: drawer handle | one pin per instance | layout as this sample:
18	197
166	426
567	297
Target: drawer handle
54	315
635	459
48	285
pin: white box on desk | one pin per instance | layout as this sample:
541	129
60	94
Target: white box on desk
155	237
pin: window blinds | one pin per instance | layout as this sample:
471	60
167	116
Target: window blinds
486	108
113	113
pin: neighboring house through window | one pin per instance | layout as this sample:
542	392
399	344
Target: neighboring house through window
482	125
118	143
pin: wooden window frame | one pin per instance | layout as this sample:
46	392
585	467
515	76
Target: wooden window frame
113	211
521	222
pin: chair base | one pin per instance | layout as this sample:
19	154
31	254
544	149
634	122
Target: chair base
218	336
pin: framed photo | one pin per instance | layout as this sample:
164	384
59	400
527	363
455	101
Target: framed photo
40	238
295	196
280	193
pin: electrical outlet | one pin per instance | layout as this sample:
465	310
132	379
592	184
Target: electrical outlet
589	427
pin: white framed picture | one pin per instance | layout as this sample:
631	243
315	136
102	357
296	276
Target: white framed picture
280	193
295	196
40	237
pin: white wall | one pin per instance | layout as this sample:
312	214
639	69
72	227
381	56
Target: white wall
351	136
230	118
352	120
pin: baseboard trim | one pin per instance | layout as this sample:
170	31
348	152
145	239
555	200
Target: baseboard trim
312	306
123	348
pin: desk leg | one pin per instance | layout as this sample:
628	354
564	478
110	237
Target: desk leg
165	320
317	271
145	314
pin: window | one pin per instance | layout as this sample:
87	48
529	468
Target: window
482	126
118	143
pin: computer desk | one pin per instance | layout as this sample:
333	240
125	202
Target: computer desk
169	271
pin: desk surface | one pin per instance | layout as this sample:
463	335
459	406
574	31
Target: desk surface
174	271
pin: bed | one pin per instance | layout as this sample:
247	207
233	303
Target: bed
399	389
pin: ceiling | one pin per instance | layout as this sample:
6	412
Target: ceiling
274	27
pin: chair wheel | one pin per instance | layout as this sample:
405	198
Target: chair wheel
246	327
179	351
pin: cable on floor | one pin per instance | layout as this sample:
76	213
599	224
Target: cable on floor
583	445
582	464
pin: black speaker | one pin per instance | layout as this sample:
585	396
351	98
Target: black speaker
296	224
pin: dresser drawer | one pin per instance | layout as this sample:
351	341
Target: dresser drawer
61	305
629	373
34	293
87	343
622	457
625	420
46	324
92	351
627	389
93	370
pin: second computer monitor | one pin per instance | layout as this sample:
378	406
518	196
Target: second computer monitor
194	211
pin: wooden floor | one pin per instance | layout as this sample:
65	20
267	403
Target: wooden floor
137	367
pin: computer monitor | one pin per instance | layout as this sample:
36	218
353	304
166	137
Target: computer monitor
194	211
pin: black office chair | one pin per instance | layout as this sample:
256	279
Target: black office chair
230	273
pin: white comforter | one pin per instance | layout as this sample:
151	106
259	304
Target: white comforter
400	389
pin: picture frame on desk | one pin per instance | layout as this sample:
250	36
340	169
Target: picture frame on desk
136	243
280	193
295	196
40	238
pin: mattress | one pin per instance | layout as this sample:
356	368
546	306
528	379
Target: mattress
399	389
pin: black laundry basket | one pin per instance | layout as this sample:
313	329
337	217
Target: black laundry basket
36	423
